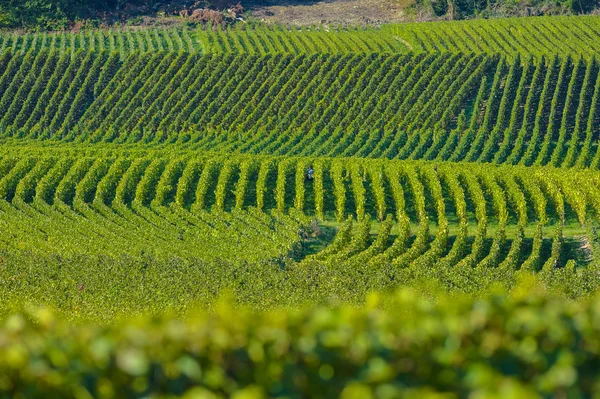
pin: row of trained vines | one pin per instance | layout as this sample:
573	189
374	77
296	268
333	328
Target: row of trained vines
576	36
239	38
123	41
509	36
444	106
442	214
271	39
152	171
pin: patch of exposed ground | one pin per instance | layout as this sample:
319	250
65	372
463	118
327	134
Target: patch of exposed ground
343	12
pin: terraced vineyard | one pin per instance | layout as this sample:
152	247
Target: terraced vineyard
509	37
447	107
144	171
190	203
123	135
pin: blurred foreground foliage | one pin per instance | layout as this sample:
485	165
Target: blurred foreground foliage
524	344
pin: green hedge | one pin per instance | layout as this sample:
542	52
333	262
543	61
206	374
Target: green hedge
46	14
517	346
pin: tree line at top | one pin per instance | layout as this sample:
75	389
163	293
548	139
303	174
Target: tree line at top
69	14
39	15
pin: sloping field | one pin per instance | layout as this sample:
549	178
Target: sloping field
433	106
525	36
144	171
125	139
165	196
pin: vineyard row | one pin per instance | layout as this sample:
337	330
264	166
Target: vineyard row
199	200
238	39
577	36
514	36
509	36
413	106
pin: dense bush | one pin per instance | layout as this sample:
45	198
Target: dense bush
61	14
57	14
524	346
45	14
462	9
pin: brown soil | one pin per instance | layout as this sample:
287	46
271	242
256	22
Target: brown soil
165	13
343	12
